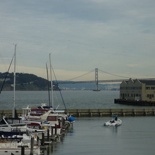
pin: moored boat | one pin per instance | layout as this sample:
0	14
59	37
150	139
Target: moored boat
113	122
47	118
14	148
27	145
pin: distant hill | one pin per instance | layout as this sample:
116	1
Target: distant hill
24	81
31	82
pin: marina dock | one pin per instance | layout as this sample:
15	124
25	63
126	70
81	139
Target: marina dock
100	112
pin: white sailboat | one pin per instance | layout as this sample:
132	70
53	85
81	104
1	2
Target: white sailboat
13	136
63	113
46	115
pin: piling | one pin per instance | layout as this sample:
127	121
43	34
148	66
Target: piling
43	139
32	145
22	150
55	129
51	130
48	135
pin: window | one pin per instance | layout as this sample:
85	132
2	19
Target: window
150	96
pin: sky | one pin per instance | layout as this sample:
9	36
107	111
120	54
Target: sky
117	37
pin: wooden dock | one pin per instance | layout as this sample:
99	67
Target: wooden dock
100	112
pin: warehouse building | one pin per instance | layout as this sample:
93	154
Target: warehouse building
137	90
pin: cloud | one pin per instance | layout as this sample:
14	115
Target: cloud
133	65
82	35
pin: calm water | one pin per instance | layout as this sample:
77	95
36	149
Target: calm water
73	99
136	136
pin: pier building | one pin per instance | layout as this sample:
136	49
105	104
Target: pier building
139	92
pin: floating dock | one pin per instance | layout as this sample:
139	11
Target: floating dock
100	112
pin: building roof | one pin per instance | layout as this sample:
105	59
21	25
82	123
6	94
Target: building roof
148	82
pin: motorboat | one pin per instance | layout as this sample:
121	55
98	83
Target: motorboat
45	113
14	147
46	118
12	127
8	126
113	122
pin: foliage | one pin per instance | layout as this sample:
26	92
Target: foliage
24	81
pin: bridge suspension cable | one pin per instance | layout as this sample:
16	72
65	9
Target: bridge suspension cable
80	75
96	80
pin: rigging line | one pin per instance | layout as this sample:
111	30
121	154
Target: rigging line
59	90
3	62
7	73
80	75
113	74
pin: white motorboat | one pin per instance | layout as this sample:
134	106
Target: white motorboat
8	127
14	147
113	122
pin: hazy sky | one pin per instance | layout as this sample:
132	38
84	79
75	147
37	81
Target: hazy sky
116	36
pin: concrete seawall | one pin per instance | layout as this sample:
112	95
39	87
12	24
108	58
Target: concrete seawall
110	112
99	112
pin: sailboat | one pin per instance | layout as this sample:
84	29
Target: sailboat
13	125
64	114
47	115
14	113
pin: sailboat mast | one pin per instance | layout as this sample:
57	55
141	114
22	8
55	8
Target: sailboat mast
49	99
51	80
14	85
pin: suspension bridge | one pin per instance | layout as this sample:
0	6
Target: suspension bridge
97	80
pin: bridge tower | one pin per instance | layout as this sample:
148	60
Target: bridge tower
96	79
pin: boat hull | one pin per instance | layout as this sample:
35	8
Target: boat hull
9	148
113	123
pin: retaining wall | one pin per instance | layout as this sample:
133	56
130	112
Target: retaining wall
99	112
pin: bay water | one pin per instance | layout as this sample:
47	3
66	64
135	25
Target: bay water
136	136
78	99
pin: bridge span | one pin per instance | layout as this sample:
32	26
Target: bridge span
97	80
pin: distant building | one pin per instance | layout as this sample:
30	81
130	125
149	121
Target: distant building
137	90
